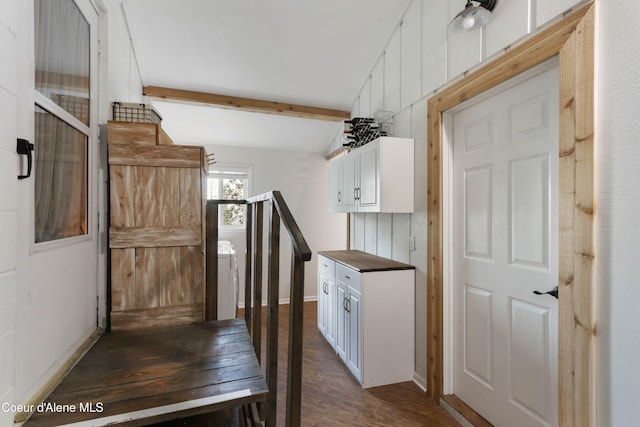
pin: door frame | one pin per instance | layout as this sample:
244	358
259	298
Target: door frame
572	40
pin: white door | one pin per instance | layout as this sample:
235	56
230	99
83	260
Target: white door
505	240
58	241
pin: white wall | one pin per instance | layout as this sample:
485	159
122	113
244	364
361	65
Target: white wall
124	79
420	57
302	179
617	207
8	202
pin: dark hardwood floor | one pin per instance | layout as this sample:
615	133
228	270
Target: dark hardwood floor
330	394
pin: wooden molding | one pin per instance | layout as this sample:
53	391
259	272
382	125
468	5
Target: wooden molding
247	104
154	237
177	156
572	39
336	153
157	316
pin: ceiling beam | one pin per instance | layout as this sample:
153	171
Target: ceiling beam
247	104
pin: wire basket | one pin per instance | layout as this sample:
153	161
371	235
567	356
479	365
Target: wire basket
135	113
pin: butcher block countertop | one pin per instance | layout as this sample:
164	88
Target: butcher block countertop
364	262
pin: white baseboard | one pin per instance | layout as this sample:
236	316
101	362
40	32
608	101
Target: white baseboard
282	301
420	381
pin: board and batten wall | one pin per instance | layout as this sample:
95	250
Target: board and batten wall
617	206
422	56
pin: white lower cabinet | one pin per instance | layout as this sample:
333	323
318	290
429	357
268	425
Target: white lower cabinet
373	313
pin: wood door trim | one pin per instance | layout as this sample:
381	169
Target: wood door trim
572	39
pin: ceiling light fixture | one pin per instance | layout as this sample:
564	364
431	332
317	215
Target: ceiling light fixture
472	16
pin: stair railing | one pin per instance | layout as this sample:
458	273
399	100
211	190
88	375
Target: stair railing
278	213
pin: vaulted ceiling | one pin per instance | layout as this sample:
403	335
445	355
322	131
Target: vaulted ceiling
311	53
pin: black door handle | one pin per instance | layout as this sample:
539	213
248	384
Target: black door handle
25	147
553	292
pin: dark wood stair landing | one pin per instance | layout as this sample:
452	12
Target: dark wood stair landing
145	376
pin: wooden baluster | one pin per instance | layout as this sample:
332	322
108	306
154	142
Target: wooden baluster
211	303
248	263
272	314
257	281
294	371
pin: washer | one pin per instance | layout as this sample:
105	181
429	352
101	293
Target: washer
227	280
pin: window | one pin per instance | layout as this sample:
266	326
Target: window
61	117
229	183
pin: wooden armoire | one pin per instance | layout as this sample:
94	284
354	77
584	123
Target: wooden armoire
157	193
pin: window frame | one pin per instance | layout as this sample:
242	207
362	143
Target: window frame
38	99
232	169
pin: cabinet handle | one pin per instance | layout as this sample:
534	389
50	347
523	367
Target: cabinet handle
344	304
339	196
347	277
326	288
348	307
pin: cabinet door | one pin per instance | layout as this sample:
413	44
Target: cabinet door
335	185
354	343
369	178
342	320
349	182
330	311
322	302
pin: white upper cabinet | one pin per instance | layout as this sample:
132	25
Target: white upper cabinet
377	177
